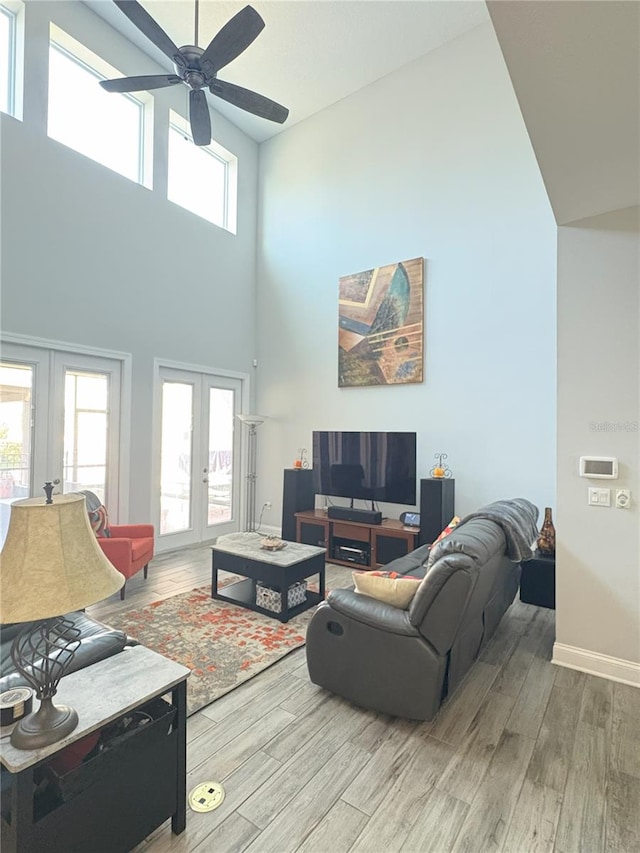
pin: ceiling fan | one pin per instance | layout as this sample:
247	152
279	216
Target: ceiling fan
199	68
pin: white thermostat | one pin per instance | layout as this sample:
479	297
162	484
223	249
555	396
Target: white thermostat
599	467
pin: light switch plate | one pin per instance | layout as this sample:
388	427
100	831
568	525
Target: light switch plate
599	497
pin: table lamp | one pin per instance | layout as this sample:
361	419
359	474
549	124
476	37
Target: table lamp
51	564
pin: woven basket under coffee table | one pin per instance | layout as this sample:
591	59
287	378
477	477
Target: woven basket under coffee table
283	572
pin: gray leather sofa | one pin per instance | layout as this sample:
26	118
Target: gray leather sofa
405	662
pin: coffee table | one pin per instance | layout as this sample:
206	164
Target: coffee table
241	554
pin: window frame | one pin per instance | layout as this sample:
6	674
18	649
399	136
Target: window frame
14	12
178	124
102	70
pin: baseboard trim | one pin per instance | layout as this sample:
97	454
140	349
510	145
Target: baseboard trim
615	669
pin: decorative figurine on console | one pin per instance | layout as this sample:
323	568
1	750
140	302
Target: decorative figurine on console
440	471
301	462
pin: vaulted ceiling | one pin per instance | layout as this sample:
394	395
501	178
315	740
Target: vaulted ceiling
311	53
574	65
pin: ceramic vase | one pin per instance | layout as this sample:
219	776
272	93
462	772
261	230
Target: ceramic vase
547	538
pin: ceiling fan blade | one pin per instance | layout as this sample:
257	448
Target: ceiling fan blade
199	117
153	31
236	35
140	84
250	101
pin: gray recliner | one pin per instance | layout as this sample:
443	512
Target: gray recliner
404	662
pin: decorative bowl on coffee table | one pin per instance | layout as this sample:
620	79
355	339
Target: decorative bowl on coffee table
272	543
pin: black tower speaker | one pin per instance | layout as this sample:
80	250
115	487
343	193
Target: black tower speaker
297	496
436	508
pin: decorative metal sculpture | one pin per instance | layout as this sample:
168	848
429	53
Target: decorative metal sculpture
301	462
440	471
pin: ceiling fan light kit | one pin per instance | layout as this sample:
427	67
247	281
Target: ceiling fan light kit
198	68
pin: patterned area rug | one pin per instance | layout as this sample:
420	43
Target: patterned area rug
222	644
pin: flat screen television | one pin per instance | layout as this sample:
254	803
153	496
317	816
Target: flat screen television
371	466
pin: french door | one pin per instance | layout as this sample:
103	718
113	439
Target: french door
59	422
199	457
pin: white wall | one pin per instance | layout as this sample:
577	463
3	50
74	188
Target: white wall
598	557
91	258
430	161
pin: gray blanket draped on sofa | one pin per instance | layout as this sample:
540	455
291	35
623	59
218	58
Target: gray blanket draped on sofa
518	519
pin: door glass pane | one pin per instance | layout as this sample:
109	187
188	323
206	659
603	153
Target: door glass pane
16	383
86	426
221	406
175	460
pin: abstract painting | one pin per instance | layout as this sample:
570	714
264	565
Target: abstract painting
380	335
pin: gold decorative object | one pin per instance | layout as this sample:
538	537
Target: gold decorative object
547	539
301	462
440	471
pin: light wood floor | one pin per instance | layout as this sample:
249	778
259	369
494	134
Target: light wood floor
525	757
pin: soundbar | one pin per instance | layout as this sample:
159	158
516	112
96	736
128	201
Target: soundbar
346	513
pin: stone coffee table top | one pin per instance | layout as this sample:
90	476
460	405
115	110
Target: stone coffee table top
248	545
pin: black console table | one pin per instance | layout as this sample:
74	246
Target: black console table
538	581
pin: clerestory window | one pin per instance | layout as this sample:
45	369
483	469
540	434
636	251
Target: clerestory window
11	38
202	179
109	128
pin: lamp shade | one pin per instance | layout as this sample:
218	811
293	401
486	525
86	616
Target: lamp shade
252	420
51	562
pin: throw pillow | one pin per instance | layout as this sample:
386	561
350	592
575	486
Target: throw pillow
455	521
99	521
451	526
389	587
97	513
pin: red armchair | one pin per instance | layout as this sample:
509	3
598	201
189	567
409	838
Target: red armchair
128	546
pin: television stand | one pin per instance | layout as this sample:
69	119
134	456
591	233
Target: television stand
355	543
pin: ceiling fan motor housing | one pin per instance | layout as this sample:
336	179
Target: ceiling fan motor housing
191	54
